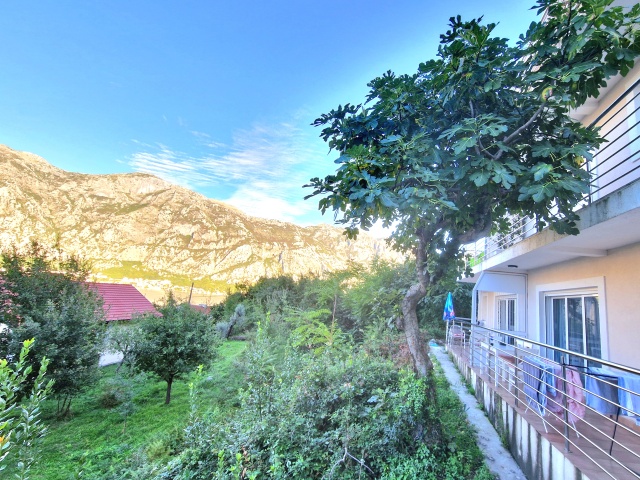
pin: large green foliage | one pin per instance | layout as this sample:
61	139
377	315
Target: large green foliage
174	344
480	133
50	303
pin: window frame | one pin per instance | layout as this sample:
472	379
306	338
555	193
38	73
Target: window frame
580	287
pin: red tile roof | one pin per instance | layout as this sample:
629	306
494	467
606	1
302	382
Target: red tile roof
122	302
202	308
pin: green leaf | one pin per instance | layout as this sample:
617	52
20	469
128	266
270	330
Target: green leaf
479	178
390	139
387	201
541	170
463	144
542	149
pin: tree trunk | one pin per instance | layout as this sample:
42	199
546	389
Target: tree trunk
232	323
167	399
429	431
417	346
416	292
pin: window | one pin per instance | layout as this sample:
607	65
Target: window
507	315
573	323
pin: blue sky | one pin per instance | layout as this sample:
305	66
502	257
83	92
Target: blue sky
211	95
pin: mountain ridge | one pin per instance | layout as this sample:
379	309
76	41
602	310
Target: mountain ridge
139	228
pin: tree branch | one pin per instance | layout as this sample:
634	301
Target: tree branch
359	461
511	137
479	147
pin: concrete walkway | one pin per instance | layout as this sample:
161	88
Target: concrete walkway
498	459
110	359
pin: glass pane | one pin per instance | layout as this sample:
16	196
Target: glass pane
559	333
511	318
511	311
502	315
592	327
574	323
576	328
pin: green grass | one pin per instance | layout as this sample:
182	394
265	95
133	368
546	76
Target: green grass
96	440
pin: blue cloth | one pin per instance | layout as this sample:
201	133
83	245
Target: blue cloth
627	395
449	313
630	401
602	391
539	381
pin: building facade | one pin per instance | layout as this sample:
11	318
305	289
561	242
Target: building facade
577	292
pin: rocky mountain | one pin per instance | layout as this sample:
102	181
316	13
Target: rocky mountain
144	230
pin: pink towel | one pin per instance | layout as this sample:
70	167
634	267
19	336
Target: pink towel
575	396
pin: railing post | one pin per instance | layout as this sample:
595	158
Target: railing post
515	371
564	405
472	346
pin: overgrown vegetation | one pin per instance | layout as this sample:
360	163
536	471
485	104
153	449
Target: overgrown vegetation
322	388
21	428
341	411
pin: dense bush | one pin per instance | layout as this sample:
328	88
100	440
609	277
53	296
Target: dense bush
357	300
343	413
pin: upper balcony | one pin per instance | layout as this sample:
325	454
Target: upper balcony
609	213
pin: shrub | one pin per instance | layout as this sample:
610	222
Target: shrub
20	424
116	391
304	415
49	302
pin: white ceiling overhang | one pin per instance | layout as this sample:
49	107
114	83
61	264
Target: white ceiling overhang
502	282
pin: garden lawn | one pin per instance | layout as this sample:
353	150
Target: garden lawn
98	442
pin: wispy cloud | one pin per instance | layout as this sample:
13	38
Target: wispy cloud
267	204
264	168
195	133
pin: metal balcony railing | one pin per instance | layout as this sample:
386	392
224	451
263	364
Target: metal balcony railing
594	404
614	165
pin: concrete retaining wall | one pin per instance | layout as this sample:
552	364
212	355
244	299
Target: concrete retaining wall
538	458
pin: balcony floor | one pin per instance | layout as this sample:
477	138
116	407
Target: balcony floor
588	450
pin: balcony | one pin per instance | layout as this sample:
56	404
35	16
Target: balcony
562	414
612	201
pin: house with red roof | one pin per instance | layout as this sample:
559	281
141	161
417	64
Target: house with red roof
122	302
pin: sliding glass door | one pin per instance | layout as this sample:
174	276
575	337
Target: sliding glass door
573	323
